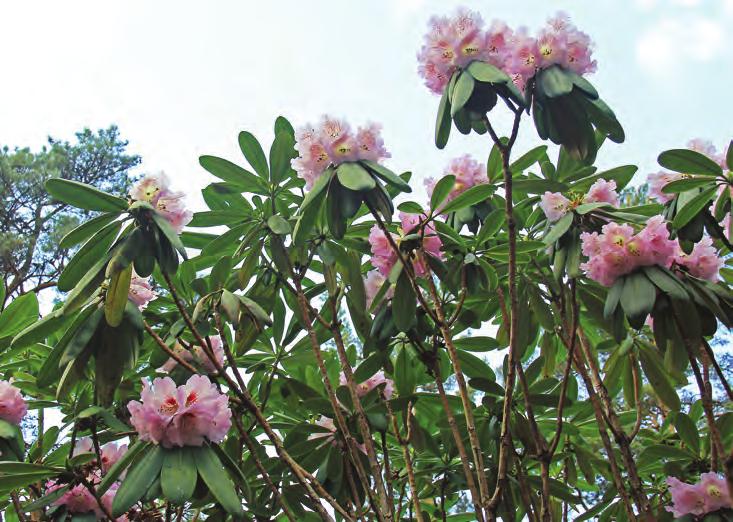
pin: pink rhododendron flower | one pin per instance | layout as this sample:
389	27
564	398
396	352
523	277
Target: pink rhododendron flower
468	173
155	189
372	382
703	262
383	257
709	495
554	205
657	181
141	291
332	142
602	191
111	452
373	282
186	415
618	251
198	356
79	499
329	435
12	406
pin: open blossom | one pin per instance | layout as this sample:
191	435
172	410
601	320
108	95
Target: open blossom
554	205
12	406
141	291
618	251
383	257
111	452
372	382
468	173
330	434
373	282
198	356
703	262
155	189
79	499
186	415
602	191
333	142
657	181
708	495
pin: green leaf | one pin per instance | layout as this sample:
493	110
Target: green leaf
689	161
178	475
441	191
121	465
170	234
20	313
473	367
117	295
278	225
45	500
86	229
253	152
281	152
461	93
140	477
475	194
443	122
729	156
637	298
233	173
81	337
404	373
492	224
687	430
221	487
88	256
485	72
613	297
693	207
403	304
21	480
81	195
355	177
387	175
37	331
653	367
528	159
559	229
554	82
681	185
476	343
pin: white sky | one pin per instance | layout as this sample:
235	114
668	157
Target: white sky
182	78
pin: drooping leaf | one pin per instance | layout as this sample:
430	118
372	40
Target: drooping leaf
210	469
81	195
140	477
178	474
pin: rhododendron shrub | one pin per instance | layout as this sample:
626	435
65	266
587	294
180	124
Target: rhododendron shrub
530	341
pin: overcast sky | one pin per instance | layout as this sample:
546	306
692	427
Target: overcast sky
182	78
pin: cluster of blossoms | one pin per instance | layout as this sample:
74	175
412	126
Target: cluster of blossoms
555	205
198	356
453	42
384	258
155	189
703	262
332	142
709	495
141	291
12	405
618	251
186	415
79	499
658	180
468	173
372	382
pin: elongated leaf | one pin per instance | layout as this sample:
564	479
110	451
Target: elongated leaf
221	487
38	331
528	159
233	173
117	295
475	194
555	82
403	304
81	195
441	190
178	475
86	229
693	207
137	481
387	175
355	177
170	234
559	229
689	162
637	298
653	368
281	152
45	500
443	122
20	313
87	256
121	465
252	150
20	480
461	92
485	72
682	185
81	337
687	430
